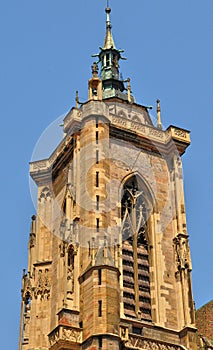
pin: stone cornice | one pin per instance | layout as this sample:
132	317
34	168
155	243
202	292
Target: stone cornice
147	136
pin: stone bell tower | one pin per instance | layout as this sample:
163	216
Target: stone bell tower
109	260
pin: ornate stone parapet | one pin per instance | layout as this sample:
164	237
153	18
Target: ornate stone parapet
39	165
97	108
138	342
65	333
150	132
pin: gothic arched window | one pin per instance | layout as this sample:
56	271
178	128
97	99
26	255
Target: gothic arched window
135	250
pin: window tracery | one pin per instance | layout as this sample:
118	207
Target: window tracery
135	251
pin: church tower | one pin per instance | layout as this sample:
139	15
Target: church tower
109	263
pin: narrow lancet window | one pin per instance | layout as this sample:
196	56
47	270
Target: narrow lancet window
99	277
97	179
97	202
97	156
97	224
99	308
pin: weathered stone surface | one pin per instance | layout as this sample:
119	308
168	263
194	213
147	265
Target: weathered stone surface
75	294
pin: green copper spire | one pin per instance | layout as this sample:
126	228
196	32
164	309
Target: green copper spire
109	57
109	42
112	81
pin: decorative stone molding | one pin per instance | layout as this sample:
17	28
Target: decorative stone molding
157	133
144	343
70	334
45	194
39	165
54	337
42	289
144	130
151	132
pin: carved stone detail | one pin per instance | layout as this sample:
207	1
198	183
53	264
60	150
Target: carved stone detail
71	335
65	333
40	165
71	252
124	333
156	133
54	337
70	280
153	133
180	133
42	289
45	194
182	252
139	342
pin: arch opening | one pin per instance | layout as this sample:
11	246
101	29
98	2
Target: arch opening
135	208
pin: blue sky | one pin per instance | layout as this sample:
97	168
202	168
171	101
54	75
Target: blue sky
46	49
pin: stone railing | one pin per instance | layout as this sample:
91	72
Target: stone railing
151	132
66	333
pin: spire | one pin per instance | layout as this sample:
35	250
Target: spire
109	42
109	58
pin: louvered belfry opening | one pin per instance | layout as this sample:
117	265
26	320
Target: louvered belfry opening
135	250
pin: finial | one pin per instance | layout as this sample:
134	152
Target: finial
33	218
159	114
108	11
129	89
76	100
109	42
